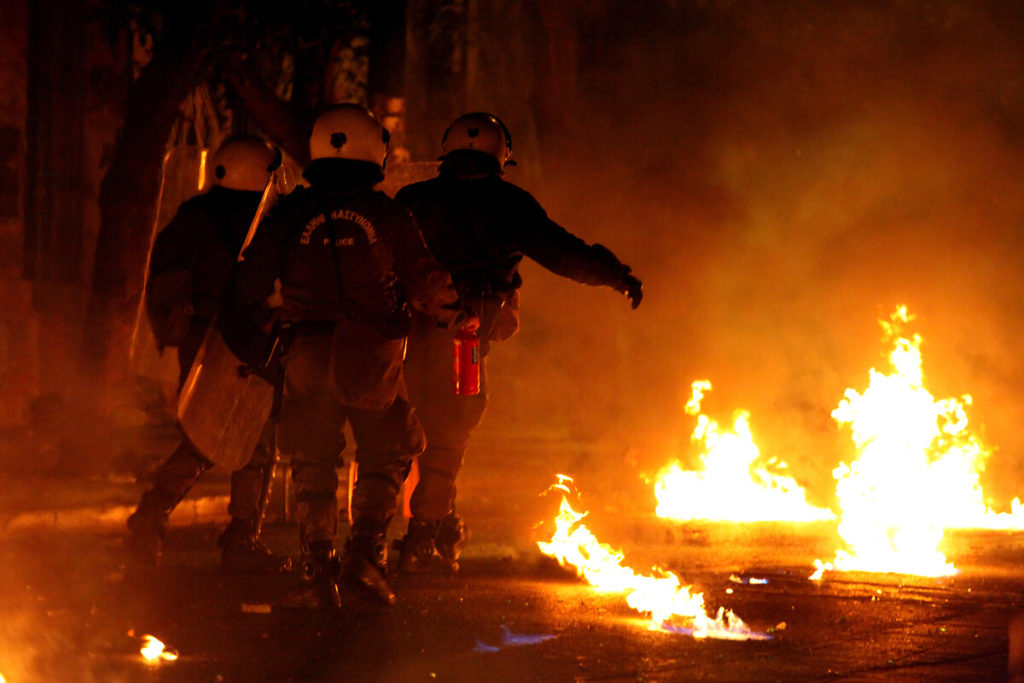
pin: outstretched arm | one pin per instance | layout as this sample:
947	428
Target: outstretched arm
561	252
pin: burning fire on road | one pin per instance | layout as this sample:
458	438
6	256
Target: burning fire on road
154	651
916	473
670	605
731	487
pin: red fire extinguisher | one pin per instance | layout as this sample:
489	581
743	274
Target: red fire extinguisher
467	363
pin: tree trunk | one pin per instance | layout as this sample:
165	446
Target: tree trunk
387	48
128	196
435	84
558	87
54	192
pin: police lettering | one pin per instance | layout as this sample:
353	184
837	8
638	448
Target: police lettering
346	215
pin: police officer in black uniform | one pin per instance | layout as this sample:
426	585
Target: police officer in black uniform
479	227
350	261
189	269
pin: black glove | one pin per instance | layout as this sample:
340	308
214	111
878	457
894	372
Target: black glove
632	288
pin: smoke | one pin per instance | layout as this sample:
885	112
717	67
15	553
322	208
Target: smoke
781	175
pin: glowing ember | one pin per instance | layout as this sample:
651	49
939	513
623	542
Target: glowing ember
155	651
670	605
730	487
917	470
202	168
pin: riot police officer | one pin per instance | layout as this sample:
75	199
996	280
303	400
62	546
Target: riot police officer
189	269
350	262
479	227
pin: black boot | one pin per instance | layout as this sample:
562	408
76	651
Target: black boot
452	536
364	568
419	551
147	526
241	551
319	579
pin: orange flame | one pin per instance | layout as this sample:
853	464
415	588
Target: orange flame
202	168
730	487
916	473
155	651
668	603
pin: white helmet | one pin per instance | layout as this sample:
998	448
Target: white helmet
349	131
244	163
482	132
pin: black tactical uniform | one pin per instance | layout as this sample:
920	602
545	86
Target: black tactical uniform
348	259
189	268
479	227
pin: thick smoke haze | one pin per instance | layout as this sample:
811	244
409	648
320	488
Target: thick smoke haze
781	175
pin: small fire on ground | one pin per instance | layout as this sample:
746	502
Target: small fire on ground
154	651
916	473
670	605
732	486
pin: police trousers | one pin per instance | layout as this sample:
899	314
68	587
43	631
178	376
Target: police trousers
448	419
311	431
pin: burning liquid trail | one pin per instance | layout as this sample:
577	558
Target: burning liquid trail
671	606
917	470
730	487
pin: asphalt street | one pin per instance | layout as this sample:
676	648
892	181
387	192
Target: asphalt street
73	609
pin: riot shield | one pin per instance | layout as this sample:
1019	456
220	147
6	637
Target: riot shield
223	405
